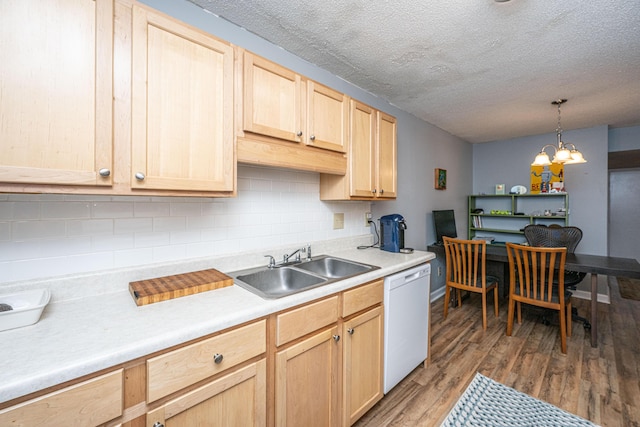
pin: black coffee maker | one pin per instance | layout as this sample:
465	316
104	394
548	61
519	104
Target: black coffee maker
392	232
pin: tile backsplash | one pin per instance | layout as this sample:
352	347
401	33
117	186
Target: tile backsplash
49	235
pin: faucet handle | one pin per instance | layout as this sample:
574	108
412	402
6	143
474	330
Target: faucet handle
272	261
308	251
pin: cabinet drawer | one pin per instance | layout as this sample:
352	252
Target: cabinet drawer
185	366
303	320
89	403
362	297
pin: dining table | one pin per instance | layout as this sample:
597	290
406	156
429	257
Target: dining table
582	263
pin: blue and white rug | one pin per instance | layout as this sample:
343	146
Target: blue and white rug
491	404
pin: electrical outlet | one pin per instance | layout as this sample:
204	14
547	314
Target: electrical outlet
338	221
367	218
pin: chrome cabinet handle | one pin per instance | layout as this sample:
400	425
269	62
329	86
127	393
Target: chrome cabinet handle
374	191
336	338
140	176
158	424
104	172
351	331
382	191
312	137
217	358
299	133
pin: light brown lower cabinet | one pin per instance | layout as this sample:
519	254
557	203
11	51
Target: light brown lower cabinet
306	386
332	376
235	399
362	364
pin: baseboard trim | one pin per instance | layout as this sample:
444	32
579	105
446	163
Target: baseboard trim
587	295
437	294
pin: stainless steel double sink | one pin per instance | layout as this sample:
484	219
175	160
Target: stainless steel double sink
283	280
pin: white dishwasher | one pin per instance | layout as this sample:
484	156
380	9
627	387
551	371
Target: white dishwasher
406	322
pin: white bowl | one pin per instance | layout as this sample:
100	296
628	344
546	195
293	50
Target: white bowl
26	306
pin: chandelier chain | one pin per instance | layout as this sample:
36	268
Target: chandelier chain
559	128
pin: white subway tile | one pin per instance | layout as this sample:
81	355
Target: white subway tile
169	224
133	225
186	209
27	230
55	210
116	242
182	237
152	239
111	209
89	227
5	231
169	253
152	209
133	257
26	210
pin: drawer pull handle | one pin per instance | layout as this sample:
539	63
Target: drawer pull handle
299	133
104	172
312	137
217	358
158	424
336	338
140	176
351	331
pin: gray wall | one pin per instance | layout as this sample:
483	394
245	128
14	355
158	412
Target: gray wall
509	162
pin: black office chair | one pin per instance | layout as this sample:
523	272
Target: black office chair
555	236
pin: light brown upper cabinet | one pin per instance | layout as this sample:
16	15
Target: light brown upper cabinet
57	90
327	118
282	104
286	120
372	166
182	107
386	156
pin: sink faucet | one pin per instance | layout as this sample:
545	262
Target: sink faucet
285	257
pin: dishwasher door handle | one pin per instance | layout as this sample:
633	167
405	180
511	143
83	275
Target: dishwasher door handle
413	276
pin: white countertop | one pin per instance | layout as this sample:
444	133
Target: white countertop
75	337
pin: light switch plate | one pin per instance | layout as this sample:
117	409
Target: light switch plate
338	221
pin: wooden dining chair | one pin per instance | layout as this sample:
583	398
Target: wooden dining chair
466	271
531	281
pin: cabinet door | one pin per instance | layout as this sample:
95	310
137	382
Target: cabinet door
327	118
182	107
56	91
236	399
307	381
362	140
386	156
362	364
272	99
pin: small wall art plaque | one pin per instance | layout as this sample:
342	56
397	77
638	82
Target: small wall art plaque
440	179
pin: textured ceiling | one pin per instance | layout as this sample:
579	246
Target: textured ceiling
479	69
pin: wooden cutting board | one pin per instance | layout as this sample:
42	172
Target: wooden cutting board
179	285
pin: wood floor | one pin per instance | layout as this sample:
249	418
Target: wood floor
601	384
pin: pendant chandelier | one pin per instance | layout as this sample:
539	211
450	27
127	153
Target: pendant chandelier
563	153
